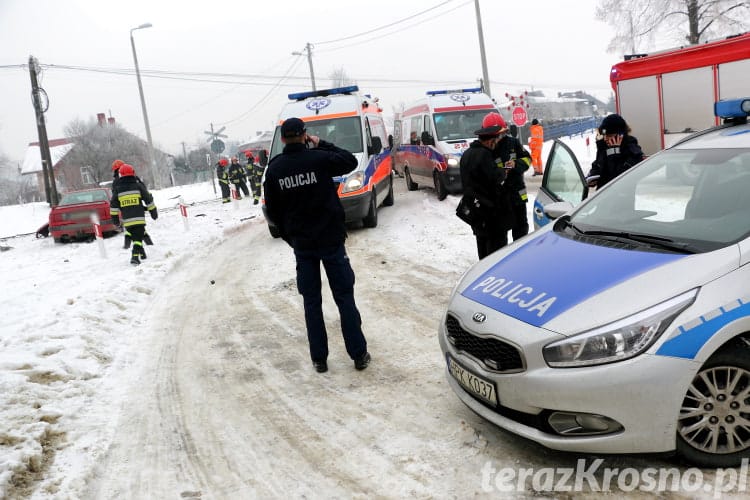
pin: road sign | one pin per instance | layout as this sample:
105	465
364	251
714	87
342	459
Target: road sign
217	146
215	135
519	116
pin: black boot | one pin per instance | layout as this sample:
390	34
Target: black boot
126	245
147	239
134	260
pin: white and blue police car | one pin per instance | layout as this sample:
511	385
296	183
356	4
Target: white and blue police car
624	325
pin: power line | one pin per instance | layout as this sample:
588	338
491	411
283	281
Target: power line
385	26
400	29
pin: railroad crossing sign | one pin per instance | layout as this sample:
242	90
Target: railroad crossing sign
217	145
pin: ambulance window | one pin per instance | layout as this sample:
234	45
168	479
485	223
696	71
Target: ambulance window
416	124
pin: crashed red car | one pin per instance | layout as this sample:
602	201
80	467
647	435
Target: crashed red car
71	219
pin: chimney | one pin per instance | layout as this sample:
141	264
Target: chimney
101	118
111	120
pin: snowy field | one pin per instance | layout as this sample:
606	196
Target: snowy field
188	376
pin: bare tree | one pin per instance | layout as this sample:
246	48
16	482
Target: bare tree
339	78
638	23
97	146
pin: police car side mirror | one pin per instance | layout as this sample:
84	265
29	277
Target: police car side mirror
558	209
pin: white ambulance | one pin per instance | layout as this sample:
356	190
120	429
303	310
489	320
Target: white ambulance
432	134
354	122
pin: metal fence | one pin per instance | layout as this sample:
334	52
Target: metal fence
570	127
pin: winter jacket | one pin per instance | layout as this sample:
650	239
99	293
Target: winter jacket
236	173
130	200
301	198
221	174
612	161
483	190
537	136
509	148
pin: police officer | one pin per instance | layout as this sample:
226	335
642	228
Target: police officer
483	190
130	200
301	201
616	151
254	175
237	177
513	157
221	174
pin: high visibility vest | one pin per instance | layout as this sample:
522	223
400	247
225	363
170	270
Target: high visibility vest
537	136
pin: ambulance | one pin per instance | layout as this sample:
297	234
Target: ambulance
444	123
354	122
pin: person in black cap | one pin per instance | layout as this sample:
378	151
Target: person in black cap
616	151
302	202
482	180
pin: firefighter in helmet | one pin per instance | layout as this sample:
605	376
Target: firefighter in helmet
221	174
237	177
116	174
255	175
130	201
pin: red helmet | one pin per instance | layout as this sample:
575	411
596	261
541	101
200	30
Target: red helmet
126	170
223	162
249	153
492	124
117	164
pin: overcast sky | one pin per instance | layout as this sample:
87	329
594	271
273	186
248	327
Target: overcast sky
542	44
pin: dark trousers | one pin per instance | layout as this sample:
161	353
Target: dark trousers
520	222
341	280
241	186
491	235
225	195
136	235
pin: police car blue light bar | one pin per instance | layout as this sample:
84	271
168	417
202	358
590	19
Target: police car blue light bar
453	91
298	96
732	108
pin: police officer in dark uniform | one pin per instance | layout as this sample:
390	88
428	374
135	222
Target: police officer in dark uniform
302	202
616	151
483	190
130	200
513	157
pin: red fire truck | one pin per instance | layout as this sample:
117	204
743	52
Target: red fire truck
667	95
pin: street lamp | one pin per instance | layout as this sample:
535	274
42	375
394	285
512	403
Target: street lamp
143	102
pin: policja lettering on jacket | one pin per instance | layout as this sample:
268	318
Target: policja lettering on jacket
293	181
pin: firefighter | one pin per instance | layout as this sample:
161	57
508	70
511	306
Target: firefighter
116	178
536	141
616	151
221	174
237	177
255	176
511	156
130	200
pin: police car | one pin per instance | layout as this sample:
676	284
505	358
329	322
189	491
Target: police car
624	325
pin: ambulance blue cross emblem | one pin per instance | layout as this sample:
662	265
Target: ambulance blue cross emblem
460	97
318	104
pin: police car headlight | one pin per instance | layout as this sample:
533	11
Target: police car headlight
620	340
452	161
354	182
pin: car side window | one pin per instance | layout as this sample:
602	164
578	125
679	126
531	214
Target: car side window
564	179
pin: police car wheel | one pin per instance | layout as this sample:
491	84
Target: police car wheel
410	184
371	219
440	190
713	428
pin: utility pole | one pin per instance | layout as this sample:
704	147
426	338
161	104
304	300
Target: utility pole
485	75
308	49
152	165
48	171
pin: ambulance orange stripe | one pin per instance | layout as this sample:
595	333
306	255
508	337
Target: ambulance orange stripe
324	117
467	108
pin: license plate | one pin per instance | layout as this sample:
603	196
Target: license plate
479	386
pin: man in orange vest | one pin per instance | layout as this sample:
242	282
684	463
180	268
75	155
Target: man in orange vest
536	141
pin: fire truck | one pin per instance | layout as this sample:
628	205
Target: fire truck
665	96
